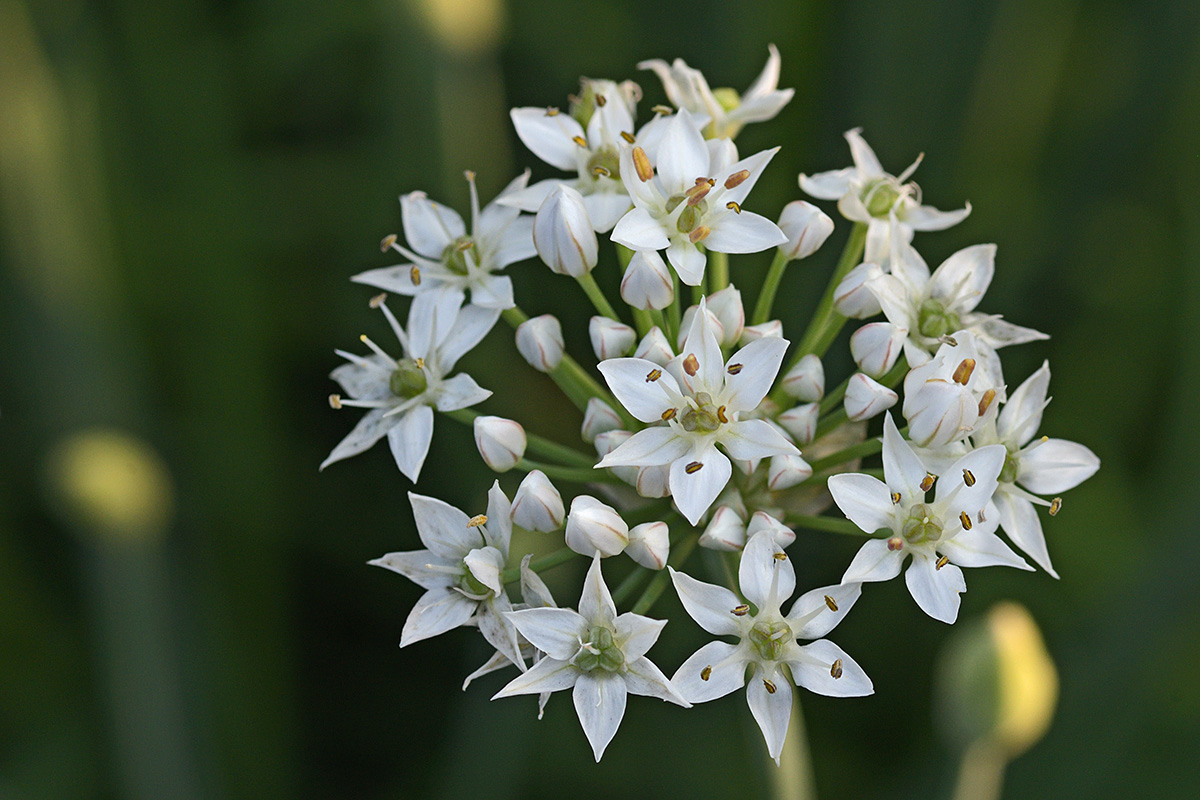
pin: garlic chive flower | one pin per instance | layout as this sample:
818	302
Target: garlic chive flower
595	652
768	648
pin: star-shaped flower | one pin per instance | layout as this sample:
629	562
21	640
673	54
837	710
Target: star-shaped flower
402	393
460	572
939	535
702	400
445	258
865	193
768	640
595	651
695	198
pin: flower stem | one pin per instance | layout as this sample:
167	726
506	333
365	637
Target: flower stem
868	448
572	474
766	297
642	321
718	271
679	555
793	779
830	524
631	583
548	561
535	444
839	416
981	776
592	289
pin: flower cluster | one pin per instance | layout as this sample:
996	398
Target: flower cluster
698	427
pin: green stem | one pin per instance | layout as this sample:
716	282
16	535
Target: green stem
869	447
697	293
642	321
766	297
548	561
718	271
538	445
631	583
981	776
830	524
573	474
592	289
793	779
679	554
656	315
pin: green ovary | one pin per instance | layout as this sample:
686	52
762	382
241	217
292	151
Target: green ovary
601	652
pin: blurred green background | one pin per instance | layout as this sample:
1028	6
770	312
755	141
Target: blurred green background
185	188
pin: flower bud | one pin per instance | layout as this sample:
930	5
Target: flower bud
685	324
610	339
540	342
655	347
876	346
598	418
649	544
787	471
563	234
806	380
726	306
653	481
594	527
501	442
762	522
647	282
767	329
608	441
866	398
806	226
852	298
801	421
537	505
725	531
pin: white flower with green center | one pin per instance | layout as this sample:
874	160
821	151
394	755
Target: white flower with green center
865	193
950	530
444	258
693	199
598	653
697	402
929	307
460	572
402	393
950	396
728	111
587	141
768	640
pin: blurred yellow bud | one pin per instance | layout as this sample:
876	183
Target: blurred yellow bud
465	25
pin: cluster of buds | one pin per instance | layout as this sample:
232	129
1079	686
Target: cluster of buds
702	424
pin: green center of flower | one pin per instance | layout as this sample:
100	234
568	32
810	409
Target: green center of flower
769	639
705	418
691	215
408	380
471	585
727	97
1008	473
921	525
880	196
935	320
600	651
605	163
454	257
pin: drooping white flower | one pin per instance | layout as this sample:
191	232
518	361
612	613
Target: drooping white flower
942	535
687	88
701	398
692	199
445	258
1032	466
928	307
597	419
957	391
460	572
865	193
402	393
768	640
596	652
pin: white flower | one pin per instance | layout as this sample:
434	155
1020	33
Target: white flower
767	641
728	112
403	393
702	399
460	572
595	651
1032	466
693	199
928	307
726	530
563	235
444	258
941	534
726	306
865	193
957	391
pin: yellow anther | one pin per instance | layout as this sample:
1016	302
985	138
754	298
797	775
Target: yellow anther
477	520
781	556
469	174
895	498
927	482
737	178
948	339
740	611
734	207
835	669
377	300
691	364
829	601
335	401
699	234
734	369
965	519
629	137
420	362
721	414
414	275
387	242
968	477
694	197
669	413
693	467
579	140
641	163
663	110
601	171
986	401
552	112
943	561
770	687
963	373
653	375
464	245
895	543
1055	506
601	100
706	673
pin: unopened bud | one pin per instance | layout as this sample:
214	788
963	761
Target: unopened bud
806	227
537	505
801	421
876	346
610	339
653	482
563	234
762	522
770	329
726	306
598	418
647	282
686	324
787	471
806	380
501	442
594	527
866	398
655	347
540	342
725	531
852	298
649	544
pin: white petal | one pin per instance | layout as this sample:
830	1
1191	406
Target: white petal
874	561
830	185
647	282
935	590
768	79
1021	416
547	675
498	530
369	430
471	325
637	230
498	630
396	279
438	611
1056	465
694	492
605	209
410	439
534	590
1020	521
596	603
760	362
703	343
428	226
928	218
554	631
514	243
550	138
461	391
765	580
813	670
499	214
754	164
963	278
866	501
812	617
980	548
746	232
725	667
600	704
710	605
688	262
907	263
531	197
415	565
485	564
431	318
996	332
984	464
864	157
643	678
443	528
635	382
772	711
682	154
493	291
902	467
754	438
876	346
636	634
